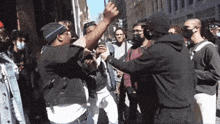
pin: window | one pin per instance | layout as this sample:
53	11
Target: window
182	3
161	4
190	2
190	16
219	8
152	6
199	0
169	6
156	5
176	5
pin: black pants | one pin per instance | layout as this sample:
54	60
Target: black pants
131	114
174	116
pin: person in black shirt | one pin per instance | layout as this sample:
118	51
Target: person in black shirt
168	61
60	67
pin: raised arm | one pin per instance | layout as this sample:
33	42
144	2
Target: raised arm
109	14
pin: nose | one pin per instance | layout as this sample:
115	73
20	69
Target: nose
136	32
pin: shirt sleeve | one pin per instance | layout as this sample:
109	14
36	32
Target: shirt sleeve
75	52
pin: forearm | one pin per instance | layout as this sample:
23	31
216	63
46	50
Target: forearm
93	37
207	75
127	67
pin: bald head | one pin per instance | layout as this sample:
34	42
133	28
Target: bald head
192	30
194	22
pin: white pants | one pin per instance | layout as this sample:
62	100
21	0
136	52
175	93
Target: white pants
67	114
207	106
103	100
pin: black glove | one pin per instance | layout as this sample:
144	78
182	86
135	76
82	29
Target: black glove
131	94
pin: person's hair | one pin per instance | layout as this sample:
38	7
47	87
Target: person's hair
213	24
119	28
122	29
15	34
86	25
176	28
140	23
69	25
206	33
197	21
3	35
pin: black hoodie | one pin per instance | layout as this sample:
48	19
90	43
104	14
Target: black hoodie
168	60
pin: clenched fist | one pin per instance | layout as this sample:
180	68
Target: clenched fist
110	12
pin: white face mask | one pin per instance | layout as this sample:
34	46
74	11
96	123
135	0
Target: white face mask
218	34
21	45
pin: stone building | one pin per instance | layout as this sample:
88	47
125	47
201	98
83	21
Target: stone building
121	20
81	15
31	15
178	10
8	14
136	10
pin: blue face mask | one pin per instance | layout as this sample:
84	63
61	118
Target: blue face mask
218	34
21	45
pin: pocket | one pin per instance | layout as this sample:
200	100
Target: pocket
184	116
177	115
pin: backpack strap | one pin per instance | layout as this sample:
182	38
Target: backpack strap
126	47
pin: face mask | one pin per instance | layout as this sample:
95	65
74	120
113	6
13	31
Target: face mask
187	33
137	40
218	34
21	45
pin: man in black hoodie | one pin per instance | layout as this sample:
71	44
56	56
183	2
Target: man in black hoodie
168	61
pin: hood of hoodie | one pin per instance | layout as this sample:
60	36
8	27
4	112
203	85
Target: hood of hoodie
174	40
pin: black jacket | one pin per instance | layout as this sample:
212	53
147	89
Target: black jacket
63	77
168	60
207	68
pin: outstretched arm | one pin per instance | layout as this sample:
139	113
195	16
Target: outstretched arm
141	65
109	14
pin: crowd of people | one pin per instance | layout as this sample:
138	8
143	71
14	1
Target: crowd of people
166	74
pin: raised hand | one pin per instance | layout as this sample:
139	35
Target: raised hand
105	54
110	12
100	49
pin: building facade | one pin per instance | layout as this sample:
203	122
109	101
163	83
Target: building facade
121	20
136	10
81	15
31	15
178	10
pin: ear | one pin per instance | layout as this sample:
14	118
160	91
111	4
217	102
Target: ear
59	38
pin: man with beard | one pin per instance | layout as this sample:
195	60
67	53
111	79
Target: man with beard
132	83
206	61
168	61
